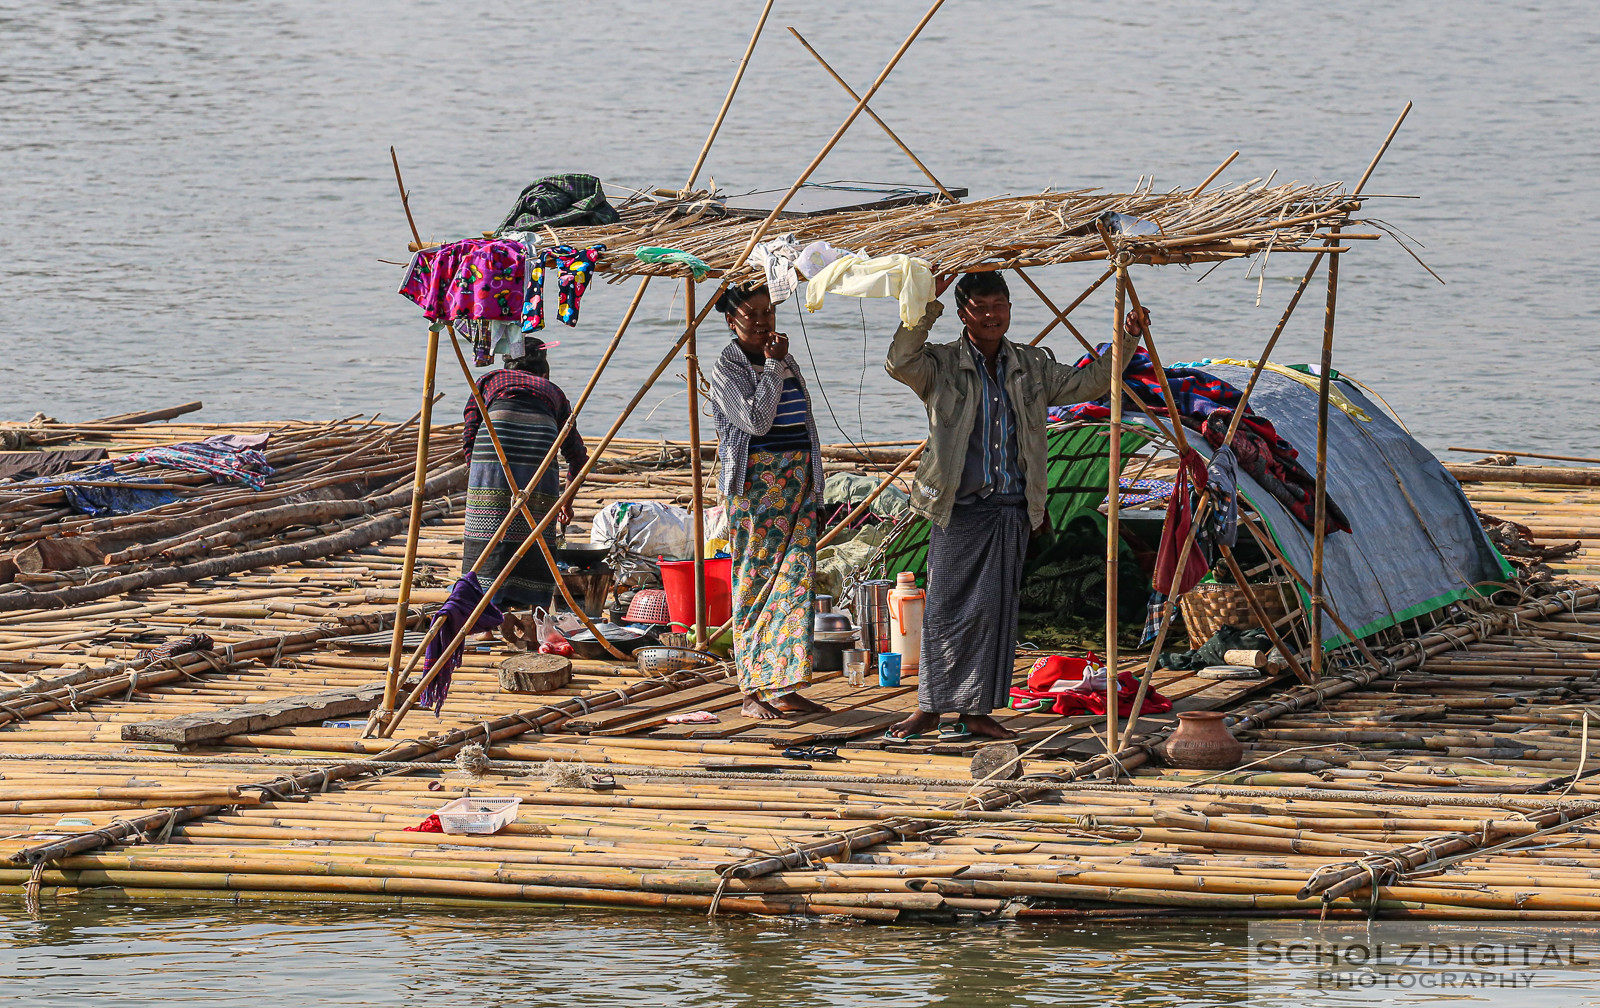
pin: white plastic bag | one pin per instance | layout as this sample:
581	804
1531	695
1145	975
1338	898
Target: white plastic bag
548	635
638	533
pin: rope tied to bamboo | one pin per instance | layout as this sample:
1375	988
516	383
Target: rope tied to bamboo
533	725
30	890
472	760
166	830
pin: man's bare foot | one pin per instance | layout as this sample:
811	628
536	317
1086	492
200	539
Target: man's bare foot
988	727
754	708
795	703
918	723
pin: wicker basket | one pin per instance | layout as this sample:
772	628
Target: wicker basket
1208	607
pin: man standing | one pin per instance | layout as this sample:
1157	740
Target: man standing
981	484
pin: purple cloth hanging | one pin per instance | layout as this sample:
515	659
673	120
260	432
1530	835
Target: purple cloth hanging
464	597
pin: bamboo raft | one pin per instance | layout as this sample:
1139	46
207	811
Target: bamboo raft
1451	780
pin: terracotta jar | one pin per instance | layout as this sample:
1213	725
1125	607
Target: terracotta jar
1202	742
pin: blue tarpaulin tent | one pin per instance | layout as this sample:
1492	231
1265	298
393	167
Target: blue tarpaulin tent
1416	545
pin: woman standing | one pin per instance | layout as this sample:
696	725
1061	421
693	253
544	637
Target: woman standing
527	410
771	476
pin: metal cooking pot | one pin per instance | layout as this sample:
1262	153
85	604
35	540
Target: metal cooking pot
581	555
832	623
622	638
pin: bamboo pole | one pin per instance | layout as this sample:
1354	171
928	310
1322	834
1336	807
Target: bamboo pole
697	490
1213	176
549	458
1320	525
1261	616
738	75
838	134
522	504
1113	500
391	683
1373	164
875	118
1319	528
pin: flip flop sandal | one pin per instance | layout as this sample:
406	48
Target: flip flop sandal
955	731
813	752
890	735
1032	706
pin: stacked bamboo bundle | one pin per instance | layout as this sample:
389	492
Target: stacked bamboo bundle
330	490
1555	515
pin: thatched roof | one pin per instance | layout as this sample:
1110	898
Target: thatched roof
995	233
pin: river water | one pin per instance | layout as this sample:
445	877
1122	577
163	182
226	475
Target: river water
196	197
90	954
196	202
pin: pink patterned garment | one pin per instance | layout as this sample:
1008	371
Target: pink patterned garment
477	278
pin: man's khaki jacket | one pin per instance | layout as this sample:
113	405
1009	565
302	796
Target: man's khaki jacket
945	378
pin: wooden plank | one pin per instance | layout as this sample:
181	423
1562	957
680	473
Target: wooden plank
664	705
257	717
832	692
868	718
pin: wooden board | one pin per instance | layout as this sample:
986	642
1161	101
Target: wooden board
256	717
688	699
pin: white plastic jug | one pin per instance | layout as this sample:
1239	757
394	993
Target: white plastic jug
906	604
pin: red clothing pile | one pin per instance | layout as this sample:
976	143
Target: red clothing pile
1072	686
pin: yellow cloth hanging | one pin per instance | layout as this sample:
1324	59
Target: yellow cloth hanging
1335	396
897	276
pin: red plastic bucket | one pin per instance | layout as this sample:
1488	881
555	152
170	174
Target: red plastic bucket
677	577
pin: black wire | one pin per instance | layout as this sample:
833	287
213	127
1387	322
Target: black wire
861	385
821	387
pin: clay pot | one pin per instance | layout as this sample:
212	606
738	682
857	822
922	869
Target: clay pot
1202	742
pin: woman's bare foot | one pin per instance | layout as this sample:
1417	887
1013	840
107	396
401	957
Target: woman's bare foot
988	727
754	708
795	703
917	724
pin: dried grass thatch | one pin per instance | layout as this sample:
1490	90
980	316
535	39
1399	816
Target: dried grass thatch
999	232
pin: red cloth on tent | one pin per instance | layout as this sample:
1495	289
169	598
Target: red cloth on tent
1093	701
1168	580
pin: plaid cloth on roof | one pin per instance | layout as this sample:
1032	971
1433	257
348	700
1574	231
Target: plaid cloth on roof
566	200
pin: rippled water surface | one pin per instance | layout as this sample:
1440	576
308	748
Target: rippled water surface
196	196
115	955
333	957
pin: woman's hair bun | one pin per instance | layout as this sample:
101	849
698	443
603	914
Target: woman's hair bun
736	295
